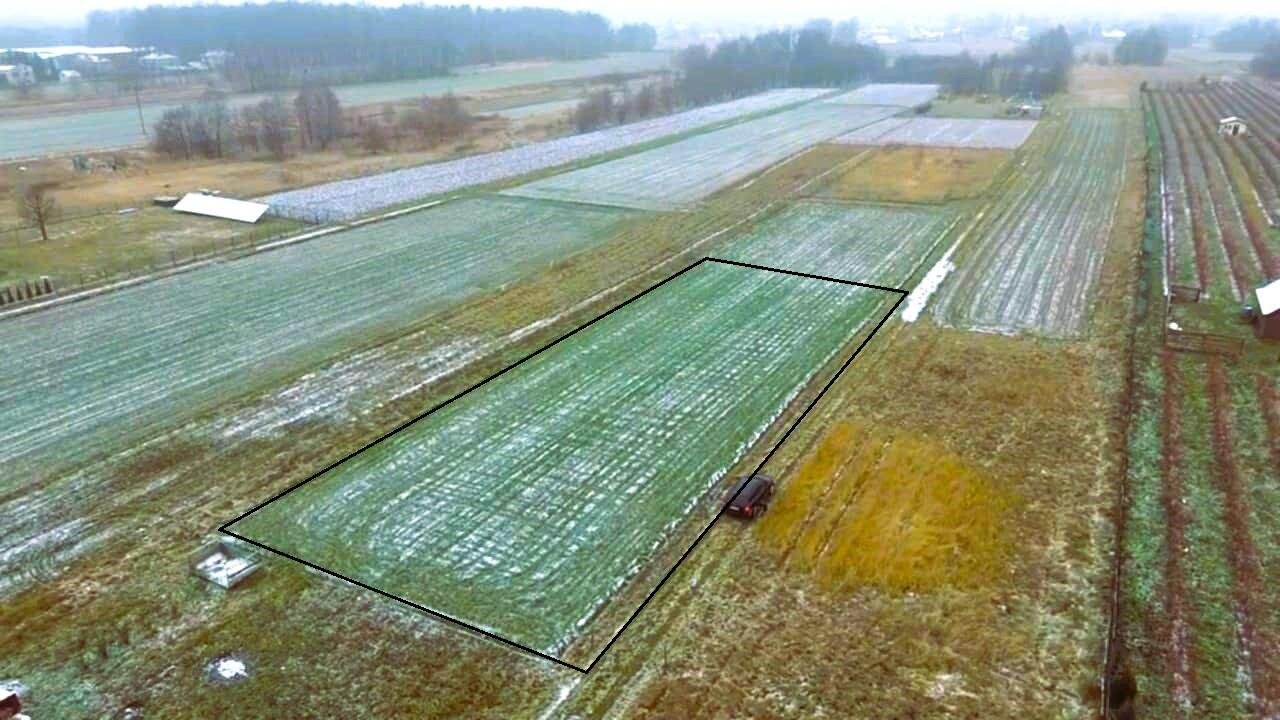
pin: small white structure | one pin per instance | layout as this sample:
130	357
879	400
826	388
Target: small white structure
1232	126
221	207
68	75
1113	34
18	75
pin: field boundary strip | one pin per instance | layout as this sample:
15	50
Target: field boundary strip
225	527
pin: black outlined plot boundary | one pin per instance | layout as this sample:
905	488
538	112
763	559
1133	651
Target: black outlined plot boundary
839	349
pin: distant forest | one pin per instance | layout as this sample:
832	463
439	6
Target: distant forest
1039	68
1249	36
279	44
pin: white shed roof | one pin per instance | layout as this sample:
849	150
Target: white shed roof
1232	119
229	208
1269	297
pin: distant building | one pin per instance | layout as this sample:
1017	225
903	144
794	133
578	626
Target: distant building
18	75
215	59
159	61
1232	126
68	75
1116	35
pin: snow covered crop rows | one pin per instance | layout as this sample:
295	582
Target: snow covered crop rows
676	175
1036	261
524	505
943	132
348	198
902	95
865	243
102	370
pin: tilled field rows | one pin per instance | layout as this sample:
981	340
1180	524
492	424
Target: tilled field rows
94	373
1203	541
675	176
1034	263
348	198
524	505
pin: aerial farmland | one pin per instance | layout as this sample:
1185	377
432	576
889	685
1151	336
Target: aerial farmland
800	393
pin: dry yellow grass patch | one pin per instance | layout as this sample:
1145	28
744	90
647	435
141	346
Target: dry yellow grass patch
919	175
920	519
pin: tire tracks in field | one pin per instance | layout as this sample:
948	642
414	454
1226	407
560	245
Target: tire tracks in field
1179	645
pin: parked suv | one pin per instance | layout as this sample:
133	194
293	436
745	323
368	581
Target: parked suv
749	496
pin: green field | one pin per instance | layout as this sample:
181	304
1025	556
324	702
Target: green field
864	243
92	374
523	506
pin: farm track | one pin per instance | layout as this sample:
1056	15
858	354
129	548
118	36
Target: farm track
1184	684
1189	207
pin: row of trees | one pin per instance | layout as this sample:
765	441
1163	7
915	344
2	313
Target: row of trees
1267	62
1143	47
1039	68
810	57
316	120
605	107
1248	36
282	44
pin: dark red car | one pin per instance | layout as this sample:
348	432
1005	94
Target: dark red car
749	496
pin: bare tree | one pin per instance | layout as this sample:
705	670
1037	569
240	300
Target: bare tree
37	205
216	118
319	115
437	120
375	138
274	123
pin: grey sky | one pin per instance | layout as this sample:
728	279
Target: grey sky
736	13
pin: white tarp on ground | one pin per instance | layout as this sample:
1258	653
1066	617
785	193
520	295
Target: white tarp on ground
987	133
229	208
907	95
1269	297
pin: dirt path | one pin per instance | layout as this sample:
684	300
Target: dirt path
1269	398
1179	644
1245	564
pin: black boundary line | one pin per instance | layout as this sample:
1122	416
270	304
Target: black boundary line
493	636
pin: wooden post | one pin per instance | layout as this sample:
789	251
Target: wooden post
48	284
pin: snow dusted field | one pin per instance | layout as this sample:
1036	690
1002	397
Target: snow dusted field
943	132
900	95
677	175
95	373
1035	262
348	198
865	243
523	506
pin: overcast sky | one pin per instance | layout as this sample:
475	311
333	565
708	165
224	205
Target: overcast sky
733	12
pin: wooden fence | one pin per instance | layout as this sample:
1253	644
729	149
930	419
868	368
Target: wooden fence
25	290
1208	343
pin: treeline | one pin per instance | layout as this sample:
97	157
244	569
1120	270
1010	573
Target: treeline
775	59
1267	62
281	44
314	120
1041	67
1248	36
1142	47
608	107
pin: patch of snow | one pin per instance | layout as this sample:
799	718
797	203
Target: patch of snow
229	668
917	300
